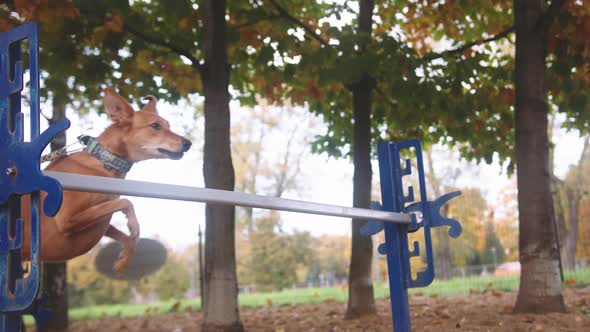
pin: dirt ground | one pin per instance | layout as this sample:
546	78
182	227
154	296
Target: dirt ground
481	311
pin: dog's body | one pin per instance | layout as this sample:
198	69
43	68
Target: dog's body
84	218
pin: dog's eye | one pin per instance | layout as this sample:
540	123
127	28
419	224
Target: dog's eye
156	126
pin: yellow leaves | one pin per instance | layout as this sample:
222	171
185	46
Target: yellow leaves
507	309
506	96
253	35
573	28
5	25
175	306
82	274
184	23
500	5
418	32
114	24
387	12
143	60
98	36
249	36
183	77
460	323
70	12
583	249
468	53
271	89
50	12
25	8
552	41
580	35
443	313
233	49
577	8
313	89
19	5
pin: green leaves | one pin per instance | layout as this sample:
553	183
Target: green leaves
413	98
463	97
276	255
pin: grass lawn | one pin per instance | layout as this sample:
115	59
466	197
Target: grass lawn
457	286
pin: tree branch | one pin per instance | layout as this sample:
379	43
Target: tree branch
254	22
544	23
163	43
391	102
585	151
5	15
284	13
463	48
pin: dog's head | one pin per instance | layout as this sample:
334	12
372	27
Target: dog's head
144	134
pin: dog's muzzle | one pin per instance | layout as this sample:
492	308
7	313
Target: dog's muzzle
186	144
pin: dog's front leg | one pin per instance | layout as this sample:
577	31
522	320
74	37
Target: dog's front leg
87	218
128	243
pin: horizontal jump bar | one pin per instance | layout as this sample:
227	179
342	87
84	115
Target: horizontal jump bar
105	185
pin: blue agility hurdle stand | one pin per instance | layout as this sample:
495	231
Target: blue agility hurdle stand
425	215
20	175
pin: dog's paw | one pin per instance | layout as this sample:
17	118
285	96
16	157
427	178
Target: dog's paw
122	261
133	231
124	257
121	264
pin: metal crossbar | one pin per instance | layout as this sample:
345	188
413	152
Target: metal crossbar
86	183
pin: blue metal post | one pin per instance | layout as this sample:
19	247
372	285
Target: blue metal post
396	237
20	175
425	214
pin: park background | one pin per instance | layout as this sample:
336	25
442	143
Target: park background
304	250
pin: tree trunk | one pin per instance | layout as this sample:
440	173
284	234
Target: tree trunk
540	287
54	280
558	191
443	249
571	237
557	186
361	300
575	187
220	306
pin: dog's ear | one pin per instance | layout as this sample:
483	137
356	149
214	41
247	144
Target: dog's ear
151	105
117	107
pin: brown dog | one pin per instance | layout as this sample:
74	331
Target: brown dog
84	218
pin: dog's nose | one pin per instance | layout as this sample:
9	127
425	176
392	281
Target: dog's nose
186	144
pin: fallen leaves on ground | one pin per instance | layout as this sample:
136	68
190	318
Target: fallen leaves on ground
478	311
